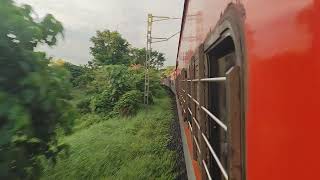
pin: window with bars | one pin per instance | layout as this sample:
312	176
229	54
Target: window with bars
220	60
213	111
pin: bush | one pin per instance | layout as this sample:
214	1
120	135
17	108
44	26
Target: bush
128	104
110	84
151	98
138	81
114	77
84	105
76	72
103	103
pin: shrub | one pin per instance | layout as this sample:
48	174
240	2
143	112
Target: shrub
138	80
84	105
155	84
128	104
115	77
104	102
151	98
75	71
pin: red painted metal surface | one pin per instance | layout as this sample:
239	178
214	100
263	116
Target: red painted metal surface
200	17
195	165
283	58
284	84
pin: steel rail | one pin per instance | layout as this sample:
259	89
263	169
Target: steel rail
216	79
190	126
197	123
224	172
197	144
207	170
195	101
214	118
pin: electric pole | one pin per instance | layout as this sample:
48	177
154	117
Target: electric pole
152	19
148	54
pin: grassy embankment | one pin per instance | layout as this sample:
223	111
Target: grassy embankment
121	148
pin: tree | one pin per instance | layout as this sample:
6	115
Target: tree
139	57
76	72
109	48
34	94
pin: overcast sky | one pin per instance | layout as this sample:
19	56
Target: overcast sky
81	19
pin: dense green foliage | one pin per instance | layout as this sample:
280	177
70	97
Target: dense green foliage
128	103
34	95
109	48
116	78
47	104
83	105
109	83
102	102
139	57
120	148
76	72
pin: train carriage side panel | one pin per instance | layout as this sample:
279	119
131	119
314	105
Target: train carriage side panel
284	84
281	79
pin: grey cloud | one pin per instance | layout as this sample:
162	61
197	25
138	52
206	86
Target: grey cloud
81	18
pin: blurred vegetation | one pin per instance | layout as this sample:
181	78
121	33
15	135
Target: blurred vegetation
34	94
166	72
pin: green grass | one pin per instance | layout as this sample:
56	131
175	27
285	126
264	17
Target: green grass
120	148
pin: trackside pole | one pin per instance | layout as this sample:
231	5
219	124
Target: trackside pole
148	54
152	19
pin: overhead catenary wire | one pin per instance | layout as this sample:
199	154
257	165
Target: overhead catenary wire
165	39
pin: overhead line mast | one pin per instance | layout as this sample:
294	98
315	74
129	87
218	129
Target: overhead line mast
152	19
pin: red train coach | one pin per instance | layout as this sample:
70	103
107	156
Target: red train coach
247	83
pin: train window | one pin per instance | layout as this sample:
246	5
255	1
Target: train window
212	109
220	59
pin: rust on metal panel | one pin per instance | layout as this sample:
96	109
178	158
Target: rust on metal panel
234	123
192	108
201	98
